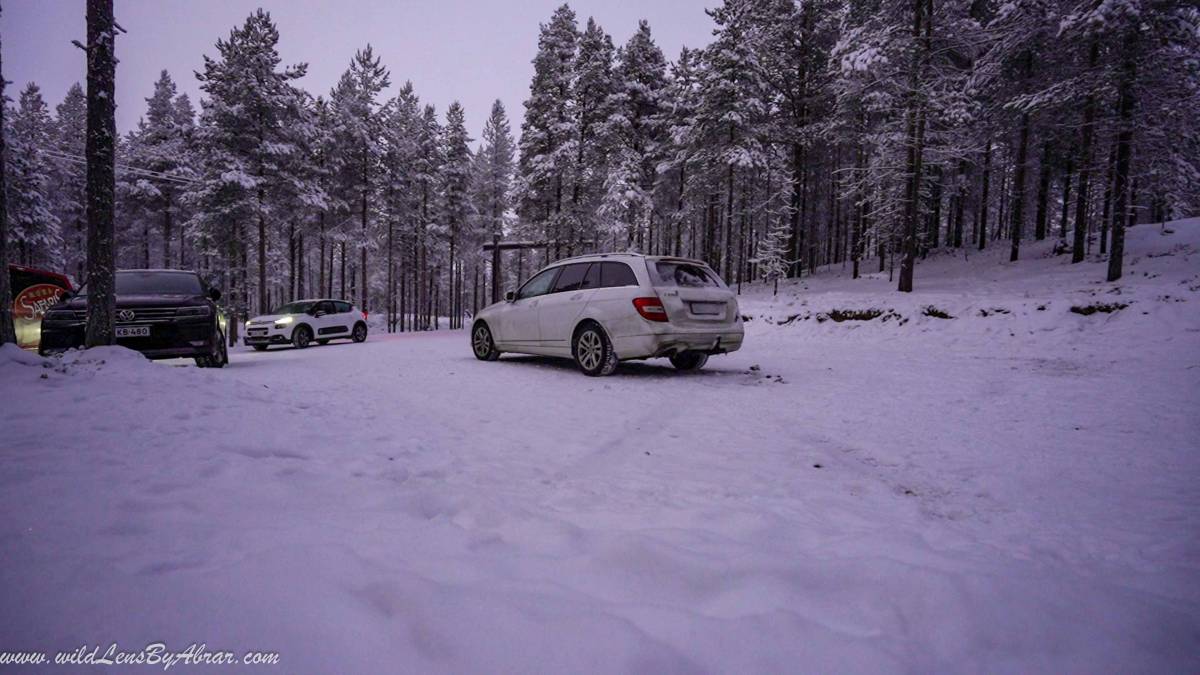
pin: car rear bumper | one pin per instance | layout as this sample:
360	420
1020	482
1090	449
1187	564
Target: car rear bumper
669	343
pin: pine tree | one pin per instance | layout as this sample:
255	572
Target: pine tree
69	178
455	186
160	144
357	133
636	132
32	219
548	130
247	154
492	182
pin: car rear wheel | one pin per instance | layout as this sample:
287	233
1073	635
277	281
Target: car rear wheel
301	337
593	352
360	332
686	361
482	344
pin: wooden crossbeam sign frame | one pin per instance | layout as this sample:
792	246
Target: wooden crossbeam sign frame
496	247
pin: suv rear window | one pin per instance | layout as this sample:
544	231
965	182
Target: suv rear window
684	274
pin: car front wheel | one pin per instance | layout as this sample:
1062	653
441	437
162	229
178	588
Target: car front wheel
593	352
686	361
301	337
219	358
482	344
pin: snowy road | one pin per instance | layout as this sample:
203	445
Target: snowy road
982	497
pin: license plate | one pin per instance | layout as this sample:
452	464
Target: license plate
708	308
133	331
257	332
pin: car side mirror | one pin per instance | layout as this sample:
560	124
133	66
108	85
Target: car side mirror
319	313
214	294
510	296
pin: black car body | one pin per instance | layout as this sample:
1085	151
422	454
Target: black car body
164	314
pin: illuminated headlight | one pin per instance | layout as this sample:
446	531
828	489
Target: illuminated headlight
284	321
59	315
199	310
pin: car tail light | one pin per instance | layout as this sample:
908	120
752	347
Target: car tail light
651	309
364	316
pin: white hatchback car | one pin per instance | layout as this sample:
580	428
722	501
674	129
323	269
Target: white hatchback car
299	323
604	308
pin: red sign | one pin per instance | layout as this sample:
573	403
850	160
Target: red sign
32	302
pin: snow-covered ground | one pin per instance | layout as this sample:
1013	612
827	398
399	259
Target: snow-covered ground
1016	489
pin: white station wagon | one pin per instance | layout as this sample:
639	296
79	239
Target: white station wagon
604	308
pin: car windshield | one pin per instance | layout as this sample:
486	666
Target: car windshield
154	283
684	274
295	308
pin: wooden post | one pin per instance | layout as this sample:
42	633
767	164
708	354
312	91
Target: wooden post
496	267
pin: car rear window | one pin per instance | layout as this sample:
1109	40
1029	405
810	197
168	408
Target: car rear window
616	274
684	274
342	307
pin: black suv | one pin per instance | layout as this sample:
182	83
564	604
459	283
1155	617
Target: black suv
164	314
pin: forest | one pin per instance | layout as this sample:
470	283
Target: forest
860	133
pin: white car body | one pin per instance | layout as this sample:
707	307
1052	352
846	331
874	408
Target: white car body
326	319
701	318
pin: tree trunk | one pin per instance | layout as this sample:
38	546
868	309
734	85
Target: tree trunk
167	230
1066	201
1043	194
794	210
101	133
1108	183
363	290
1018	189
7	333
915	142
1125	103
983	198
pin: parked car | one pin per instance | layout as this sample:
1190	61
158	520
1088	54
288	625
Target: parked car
164	314
33	292
604	308
299	323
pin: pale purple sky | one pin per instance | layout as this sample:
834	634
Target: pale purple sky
474	52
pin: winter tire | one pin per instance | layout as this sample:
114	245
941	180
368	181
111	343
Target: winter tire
593	352
219	359
688	361
301	337
360	332
482	344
